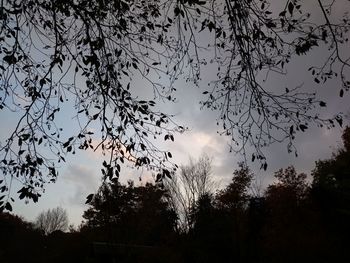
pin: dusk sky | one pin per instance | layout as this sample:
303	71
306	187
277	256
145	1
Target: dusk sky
81	174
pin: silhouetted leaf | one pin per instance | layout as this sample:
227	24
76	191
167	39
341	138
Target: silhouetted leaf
177	11
302	127
158	177
290	8
8	206
11	59
291	130
211	26
265	166
167	173
339	119
322	104
283	13
89	198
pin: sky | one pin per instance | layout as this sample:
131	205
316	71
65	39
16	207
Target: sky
81	174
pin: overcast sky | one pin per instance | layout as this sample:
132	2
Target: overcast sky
81	174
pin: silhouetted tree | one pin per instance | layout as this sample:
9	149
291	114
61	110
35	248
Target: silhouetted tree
202	213
203	244
188	186
333	175
55	219
129	214
331	194
19	240
82	56
291	228
233	202
236	196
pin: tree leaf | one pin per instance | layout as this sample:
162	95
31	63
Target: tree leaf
323	104
8	206
339	119
290	8
302	127
89	198
10	59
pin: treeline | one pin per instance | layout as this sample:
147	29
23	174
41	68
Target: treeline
185	220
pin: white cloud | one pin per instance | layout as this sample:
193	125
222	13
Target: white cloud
80	174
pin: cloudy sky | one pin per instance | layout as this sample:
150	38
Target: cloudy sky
81	175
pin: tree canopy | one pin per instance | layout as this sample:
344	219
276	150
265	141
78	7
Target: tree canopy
131	214
83	56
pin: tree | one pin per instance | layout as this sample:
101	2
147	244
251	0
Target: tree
188	186
233	203
333	174
19	240
128	214
290	221
205	246
219	222
52	220
86	53
331	191
289	191
236	194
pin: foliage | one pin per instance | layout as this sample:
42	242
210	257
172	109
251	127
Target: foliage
331	186
334	173
131	214
235	195
290	181
11	221
233	204
19	240
201	213
61	52
51	220
56	54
